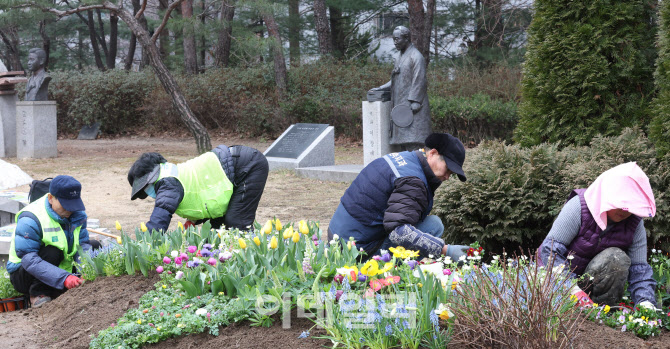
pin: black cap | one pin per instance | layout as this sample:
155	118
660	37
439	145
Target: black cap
68	192
452	149
140	183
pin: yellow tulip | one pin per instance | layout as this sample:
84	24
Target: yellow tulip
371	268
278	224
273	242
349	245
118	225
243	244
288	233
267	229
180	225
119	240
257	241
143	227
302	226
296	237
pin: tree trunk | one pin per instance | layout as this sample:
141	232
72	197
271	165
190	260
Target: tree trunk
128	64
142	21
190	53
164	38
94	41
113	40
225	36
431	7
102	38
10	38
46	41
278	54
322	28
294	31
170	85
80	51
337	31
417	25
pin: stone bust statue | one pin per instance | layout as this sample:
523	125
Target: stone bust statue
38	83
408	86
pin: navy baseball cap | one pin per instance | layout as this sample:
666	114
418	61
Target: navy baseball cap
68	192
451	149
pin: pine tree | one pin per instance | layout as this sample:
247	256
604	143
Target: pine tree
588	70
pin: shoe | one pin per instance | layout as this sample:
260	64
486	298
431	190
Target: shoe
39	301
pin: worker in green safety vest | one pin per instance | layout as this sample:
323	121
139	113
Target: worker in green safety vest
223	186
45	242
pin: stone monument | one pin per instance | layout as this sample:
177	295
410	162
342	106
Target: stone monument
36	116
303	145
8	100
407	98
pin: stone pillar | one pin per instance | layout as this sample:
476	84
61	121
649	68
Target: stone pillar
36	129
8	124
376	130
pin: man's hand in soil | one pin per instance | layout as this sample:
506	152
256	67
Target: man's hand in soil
72	282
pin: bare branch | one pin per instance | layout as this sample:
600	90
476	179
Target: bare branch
157	33
105	6
141	11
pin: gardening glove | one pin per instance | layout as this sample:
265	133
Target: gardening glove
648	305
72	281
457	251
188	224
583	299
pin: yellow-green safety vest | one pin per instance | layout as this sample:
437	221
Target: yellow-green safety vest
207	189
52	234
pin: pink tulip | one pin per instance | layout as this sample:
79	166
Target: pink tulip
192	249
159	269
167	260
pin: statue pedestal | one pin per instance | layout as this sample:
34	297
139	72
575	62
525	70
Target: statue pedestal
8	124
36	129
376	130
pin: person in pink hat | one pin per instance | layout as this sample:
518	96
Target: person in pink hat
599	234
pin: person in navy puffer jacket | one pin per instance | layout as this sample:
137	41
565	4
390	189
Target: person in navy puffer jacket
389	202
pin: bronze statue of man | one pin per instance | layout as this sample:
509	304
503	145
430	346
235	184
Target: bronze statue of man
38	83
408	88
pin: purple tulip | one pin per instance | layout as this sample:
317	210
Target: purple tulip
386	257
338	278
446	272
159	269
338	294
362	278
167	260
412	264
192	249
211	261
179	275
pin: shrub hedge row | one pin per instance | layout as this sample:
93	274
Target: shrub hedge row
513	194
244	100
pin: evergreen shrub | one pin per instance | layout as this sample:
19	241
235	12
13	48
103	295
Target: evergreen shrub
659	128
514	193
588	70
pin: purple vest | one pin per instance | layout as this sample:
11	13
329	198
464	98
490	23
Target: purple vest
590	241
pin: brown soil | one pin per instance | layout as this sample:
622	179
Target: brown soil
101	166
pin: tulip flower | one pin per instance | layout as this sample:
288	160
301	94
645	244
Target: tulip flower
362	278
119	240
412	264
267	228
177	261
338	278
386	258
192	249
338	294
296	237
288	233
180	226
143	227
349	245
211	261
184	256
167	260
257	241
273	242
118	226
159	269
243	244
278	224
179	275
302	226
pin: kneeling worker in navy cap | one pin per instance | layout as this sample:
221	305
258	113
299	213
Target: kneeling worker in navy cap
389	202
45	243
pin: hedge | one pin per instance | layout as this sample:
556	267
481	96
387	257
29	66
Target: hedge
244	100
513	193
